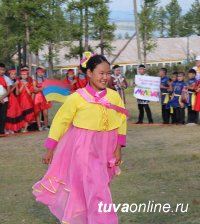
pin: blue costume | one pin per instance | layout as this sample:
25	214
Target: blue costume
164	92
176	101
192	114
165	100
192	93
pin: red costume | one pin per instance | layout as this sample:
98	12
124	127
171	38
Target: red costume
26	101
40	103
14	119
68	82
3	82
197	103
82	81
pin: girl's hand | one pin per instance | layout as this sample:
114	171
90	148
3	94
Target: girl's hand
48	157
117	155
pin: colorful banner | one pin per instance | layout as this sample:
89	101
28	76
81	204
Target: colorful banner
147	88
55	90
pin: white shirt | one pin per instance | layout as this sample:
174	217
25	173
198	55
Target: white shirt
8	83
198	74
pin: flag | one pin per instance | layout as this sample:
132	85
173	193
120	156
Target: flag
55	90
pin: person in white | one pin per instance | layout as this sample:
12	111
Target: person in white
4	97
197	67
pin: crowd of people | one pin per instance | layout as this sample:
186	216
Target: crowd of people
179	92
22	101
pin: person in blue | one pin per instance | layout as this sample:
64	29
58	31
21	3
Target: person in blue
171	81
164	87
192	114
176	101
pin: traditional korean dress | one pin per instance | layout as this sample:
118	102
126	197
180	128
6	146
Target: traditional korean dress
84	134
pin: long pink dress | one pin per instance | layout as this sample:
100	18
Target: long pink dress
79	176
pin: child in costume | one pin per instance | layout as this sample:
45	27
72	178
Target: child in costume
14	118
176	103
197	103
171	81
164	86
40	103
71	80
192	114
25	97
118	82
5	84
82	79
84	149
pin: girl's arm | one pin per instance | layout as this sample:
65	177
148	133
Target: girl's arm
17	88
21	88
27	90
35	88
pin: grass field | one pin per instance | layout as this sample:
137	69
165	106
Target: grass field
161	164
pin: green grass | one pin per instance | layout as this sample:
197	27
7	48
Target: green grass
161	164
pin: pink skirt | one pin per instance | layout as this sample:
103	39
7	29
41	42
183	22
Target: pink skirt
79	176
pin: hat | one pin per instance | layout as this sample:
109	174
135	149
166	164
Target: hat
40	70
198	58
12	71
70	71
24	71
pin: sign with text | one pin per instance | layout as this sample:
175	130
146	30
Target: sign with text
147	88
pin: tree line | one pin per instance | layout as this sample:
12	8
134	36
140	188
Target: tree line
168	21
27	26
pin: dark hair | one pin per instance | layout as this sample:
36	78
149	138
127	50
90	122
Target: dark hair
141	66
2	65
175	73
115	66
193	71
164	70
94	61
181	73
84	70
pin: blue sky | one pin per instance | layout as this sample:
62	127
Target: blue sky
124	5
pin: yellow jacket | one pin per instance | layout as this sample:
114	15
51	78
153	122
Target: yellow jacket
83	114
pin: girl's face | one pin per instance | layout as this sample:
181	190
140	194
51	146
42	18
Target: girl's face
99	78
40	74
70	75
24	76
13	75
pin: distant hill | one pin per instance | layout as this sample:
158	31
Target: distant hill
124	21
122	15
